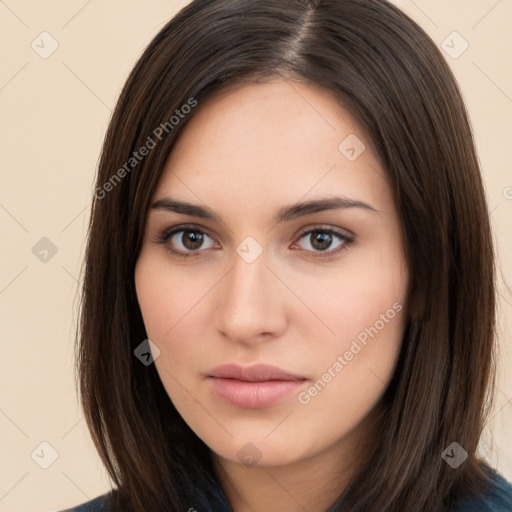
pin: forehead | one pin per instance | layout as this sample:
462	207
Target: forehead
277	116
261	142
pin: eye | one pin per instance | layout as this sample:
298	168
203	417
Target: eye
184	241
189	241
319	239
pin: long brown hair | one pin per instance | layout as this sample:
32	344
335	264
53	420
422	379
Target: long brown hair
389	74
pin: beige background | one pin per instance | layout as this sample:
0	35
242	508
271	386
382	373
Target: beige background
54	114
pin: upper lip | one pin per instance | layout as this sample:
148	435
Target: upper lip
255	373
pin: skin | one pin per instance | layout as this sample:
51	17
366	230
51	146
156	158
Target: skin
245	154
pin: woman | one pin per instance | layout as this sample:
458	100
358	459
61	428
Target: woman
289	297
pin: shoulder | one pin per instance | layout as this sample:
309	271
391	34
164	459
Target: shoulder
95	505
498	497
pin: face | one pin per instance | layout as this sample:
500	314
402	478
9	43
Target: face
316	291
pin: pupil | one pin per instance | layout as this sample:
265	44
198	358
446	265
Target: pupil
324	238
192	240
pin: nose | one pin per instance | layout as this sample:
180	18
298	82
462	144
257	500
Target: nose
250	302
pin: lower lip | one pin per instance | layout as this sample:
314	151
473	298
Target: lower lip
254	395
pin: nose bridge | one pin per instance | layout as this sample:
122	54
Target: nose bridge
247	302
245	282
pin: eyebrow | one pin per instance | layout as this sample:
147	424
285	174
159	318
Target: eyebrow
286	213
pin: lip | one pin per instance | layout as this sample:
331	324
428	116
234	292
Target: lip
253	387
255	373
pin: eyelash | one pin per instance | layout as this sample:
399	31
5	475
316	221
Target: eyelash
164	236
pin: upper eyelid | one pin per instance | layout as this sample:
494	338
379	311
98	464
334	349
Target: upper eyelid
187	227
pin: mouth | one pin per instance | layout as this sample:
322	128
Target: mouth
253	387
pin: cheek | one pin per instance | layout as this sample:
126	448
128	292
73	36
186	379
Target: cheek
165	298
352	374
176	315
364	350
348	300
365	311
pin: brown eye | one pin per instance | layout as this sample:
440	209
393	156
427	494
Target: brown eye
322	239
191	240
185	241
